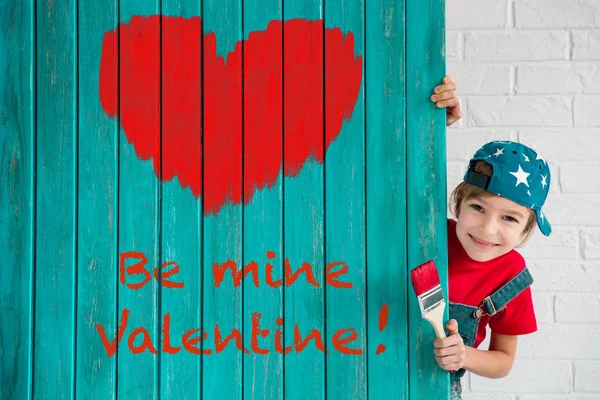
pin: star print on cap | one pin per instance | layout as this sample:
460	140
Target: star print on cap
519	174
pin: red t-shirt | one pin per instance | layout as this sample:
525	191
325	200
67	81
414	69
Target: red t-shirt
470	281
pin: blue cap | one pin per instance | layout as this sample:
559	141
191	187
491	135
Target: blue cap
519	174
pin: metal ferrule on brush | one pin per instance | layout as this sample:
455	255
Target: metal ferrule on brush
431	299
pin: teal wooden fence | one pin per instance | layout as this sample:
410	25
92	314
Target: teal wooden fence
261	133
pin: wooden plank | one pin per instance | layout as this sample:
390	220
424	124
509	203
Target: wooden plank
55	273
181	209
303	196
222	194
426	138
345	231
263	219
386	199
17	161
139	166
97	206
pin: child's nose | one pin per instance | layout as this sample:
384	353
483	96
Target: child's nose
488	226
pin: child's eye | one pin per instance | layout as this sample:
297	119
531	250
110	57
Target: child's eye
511	219
476	207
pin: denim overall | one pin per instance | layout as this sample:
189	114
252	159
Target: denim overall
468	318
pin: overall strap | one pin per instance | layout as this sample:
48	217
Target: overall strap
501	297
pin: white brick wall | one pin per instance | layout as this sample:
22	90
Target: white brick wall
529	70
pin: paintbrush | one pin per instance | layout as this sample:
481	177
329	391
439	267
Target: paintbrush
426	282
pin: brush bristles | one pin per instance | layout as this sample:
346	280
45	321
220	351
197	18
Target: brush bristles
425	277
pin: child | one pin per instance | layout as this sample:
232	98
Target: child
497	207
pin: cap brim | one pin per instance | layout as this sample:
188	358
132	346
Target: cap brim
543	223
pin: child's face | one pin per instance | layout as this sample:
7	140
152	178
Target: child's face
489	227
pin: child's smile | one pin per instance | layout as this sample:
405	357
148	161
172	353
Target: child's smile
484	244
491	226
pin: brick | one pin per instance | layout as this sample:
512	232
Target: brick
542	304
528	376
576	78
516	46
461	144
487	396
586	44
563	144
570	209
455	172
557	13
562	243
590	239
560	342
480	78
565	277
466	14
518	111
577	308
587	374
554	179
585	110
580	178
572	396
454	46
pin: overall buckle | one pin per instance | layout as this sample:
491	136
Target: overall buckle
480	313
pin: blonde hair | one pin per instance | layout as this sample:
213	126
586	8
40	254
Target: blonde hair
465	191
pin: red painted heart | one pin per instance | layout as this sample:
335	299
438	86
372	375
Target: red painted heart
181	100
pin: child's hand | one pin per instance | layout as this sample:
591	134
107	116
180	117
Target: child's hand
451	352
444	97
